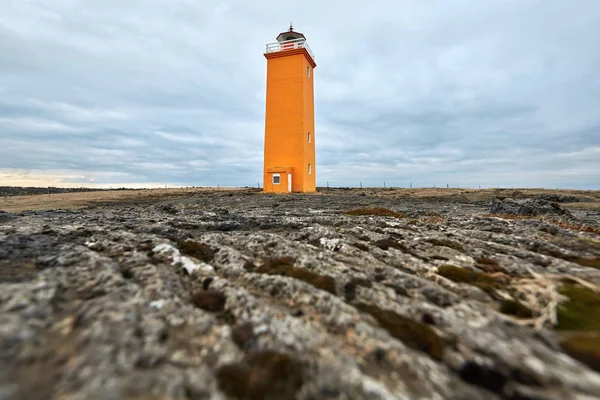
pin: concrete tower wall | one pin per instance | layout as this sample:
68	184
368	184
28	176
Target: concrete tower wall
289	117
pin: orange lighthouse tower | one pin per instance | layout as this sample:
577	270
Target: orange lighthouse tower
289	164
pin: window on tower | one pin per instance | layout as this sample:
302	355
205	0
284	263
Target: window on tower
309	169
308	71
308	137
276	179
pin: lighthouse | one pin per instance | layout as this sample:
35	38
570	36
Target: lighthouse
289	152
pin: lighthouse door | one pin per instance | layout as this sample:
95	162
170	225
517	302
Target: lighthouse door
289	183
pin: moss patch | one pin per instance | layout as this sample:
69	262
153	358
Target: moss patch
446	243
263	375
284	266
586	262
580	311
488	265
463	275
412	333
350	287
377	211
209	300
584	348
516	308
486	261
243	335
361	246
385	244
197	250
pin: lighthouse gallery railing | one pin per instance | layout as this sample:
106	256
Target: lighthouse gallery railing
289	45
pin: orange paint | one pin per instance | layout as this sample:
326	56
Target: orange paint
289	121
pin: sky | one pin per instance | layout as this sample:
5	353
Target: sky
147	93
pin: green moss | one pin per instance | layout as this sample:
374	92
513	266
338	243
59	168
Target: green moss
249	265
350	287
412	221
412	333
488	265
284	266
516	308
581	311
197	250
263	375
586	262
209	300
586	241
446	243
361	246
486	261
362	282
464	275
243	335
385	244
584	348
377	211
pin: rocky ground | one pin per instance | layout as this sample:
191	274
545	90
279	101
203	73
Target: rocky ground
335	295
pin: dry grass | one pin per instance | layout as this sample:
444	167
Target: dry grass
433	220
80	200
592	205
540	293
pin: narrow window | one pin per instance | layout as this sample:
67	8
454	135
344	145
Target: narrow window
309	169
276	179
308	137
308	71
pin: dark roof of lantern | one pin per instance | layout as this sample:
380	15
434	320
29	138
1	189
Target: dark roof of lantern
291	30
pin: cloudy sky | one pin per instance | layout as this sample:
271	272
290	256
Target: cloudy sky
434	92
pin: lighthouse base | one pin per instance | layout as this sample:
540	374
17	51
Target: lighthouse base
278	180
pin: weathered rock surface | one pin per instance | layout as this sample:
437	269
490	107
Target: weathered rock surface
250	296
527	207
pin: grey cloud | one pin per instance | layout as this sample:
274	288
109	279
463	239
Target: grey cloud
467	92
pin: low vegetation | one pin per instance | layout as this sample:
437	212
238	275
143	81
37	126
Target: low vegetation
268	375
581	311
488	265
584	261
376	211
446	243
560	223
515	308
209	300
412	333
584	347
481	280
197	250
284	266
